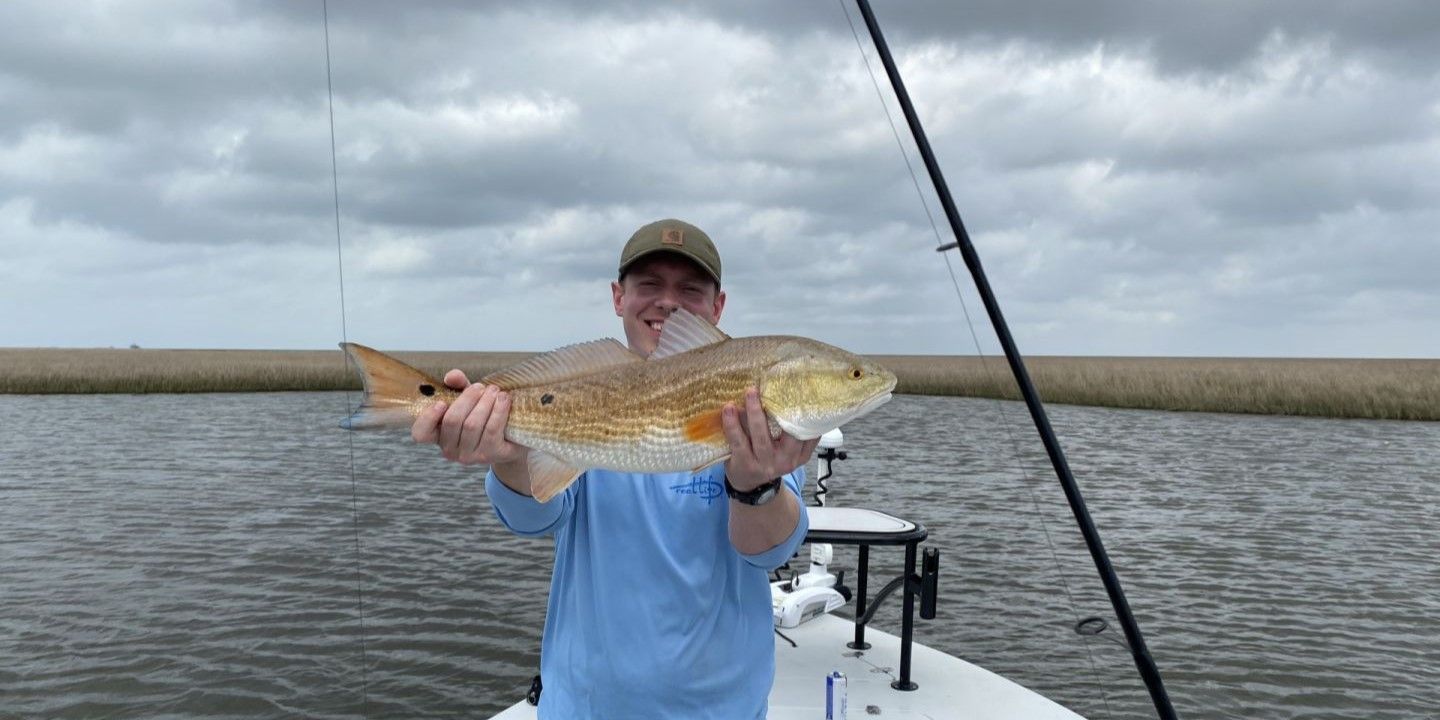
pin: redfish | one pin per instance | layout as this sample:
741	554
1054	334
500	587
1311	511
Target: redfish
599	405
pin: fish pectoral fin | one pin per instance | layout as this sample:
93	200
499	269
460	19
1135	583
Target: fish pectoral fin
549	475
684	331
706	428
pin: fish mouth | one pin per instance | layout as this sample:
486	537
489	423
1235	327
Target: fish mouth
873	402
809	431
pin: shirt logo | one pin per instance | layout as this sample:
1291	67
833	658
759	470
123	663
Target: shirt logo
702	487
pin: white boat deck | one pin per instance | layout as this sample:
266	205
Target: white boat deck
948	687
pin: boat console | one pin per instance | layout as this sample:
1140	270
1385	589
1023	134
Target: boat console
866	528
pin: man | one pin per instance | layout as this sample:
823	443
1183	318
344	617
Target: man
659	604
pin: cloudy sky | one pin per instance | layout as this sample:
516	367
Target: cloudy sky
1140	178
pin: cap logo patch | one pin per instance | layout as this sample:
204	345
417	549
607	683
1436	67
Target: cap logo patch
672	236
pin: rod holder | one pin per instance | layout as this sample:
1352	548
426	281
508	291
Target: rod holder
929	583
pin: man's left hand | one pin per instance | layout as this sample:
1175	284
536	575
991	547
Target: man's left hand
755	457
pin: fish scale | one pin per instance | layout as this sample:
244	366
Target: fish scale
644	432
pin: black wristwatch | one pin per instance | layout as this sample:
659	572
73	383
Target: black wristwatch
759	496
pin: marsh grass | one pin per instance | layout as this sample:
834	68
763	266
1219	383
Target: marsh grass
1385	389
1354	388
59	370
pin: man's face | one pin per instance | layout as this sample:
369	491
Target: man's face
653	288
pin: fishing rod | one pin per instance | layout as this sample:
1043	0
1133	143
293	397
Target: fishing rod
345	338
1143	661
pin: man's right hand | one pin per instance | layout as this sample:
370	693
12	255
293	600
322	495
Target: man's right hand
471	430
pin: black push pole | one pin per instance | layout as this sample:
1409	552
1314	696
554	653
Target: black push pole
1143	661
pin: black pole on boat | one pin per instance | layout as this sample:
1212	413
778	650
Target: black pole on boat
1143	661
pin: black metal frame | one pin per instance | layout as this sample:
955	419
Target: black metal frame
910	586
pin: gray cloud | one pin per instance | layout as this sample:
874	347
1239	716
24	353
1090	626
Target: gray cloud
1140	178
1181	38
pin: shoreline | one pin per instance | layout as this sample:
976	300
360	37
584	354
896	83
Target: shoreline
1395	389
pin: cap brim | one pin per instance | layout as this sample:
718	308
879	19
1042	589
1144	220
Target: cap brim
673	251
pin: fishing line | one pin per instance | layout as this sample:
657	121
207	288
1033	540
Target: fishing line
984	364
345	336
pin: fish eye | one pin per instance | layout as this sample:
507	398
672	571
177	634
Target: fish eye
856	373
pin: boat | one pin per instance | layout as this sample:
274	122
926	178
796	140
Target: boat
885	675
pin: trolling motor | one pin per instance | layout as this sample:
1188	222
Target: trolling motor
828	452
817	591
821	554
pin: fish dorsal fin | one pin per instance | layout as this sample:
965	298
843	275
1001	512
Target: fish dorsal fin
566	363
685	331
549	475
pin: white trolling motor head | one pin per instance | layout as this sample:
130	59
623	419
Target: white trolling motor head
790	609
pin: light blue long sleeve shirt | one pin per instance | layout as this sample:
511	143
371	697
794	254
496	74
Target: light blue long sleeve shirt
652	612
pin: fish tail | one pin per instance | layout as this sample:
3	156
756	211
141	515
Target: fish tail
395	393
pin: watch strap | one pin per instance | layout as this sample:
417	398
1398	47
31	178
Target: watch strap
759	496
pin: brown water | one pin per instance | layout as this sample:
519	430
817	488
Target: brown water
183	556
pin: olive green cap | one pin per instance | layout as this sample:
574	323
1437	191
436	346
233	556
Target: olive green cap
676	236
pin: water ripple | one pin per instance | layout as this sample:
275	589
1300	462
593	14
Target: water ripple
183	556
